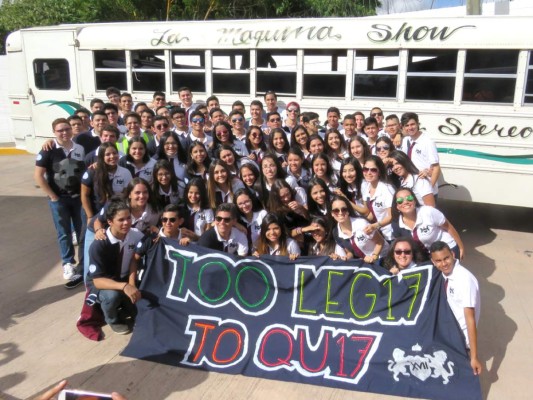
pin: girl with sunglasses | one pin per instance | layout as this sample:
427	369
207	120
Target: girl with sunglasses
378	194
423	223
384	147
223	135
273	239
164	185
351	233
408	175
255	144
403	254
198	217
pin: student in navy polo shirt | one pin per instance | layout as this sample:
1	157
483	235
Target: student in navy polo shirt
112	276
64	196
224	236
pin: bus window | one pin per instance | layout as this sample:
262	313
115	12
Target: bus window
51	74
375	73
490	75
188	69
110	69
528	95
276	70
324	73
230	73
148	70
431	74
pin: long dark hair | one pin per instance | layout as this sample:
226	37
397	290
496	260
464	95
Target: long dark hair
274	199
249	146
140	181
192	167
312	205
394	210
138	139
216	140
419	255
159	199
383	175
283	134
103	186
343	185
329	241
262	244
161	155
200	185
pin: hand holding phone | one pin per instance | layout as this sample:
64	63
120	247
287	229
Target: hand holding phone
82	395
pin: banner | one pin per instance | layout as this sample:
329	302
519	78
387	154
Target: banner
313	320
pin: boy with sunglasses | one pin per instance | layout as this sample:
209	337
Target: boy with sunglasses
223	236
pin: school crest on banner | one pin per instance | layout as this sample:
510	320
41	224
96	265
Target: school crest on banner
313	320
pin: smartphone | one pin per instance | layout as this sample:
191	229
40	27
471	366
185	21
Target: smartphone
82	395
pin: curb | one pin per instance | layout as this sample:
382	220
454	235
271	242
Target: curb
11	151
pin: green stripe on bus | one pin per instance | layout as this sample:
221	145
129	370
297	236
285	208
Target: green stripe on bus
525	159
68	106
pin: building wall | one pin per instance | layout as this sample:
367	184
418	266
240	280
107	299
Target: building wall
5	124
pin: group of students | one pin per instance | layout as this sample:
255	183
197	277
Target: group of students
277	183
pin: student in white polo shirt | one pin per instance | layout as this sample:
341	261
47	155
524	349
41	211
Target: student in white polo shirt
462	294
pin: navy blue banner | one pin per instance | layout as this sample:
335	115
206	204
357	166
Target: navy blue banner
313	320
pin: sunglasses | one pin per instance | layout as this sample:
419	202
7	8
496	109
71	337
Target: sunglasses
240	119
222	132
383	148
292	110
380	114
338	211
197	120
171	220
400	200
406	252
373	170
163	126
227	220
275	119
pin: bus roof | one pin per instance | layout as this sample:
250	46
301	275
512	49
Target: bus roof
513	32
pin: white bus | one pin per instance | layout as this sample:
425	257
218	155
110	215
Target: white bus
470	79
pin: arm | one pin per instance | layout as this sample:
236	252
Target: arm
38	176
86	201
448	227
435	173
472	338
378	224
429	200
131	288
378	239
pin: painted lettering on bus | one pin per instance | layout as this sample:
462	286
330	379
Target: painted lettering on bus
454	127
384	33
238	36
167	37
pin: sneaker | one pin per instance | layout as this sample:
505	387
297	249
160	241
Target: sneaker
68	271
74	239
75	281
120	329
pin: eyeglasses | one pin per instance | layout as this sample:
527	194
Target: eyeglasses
171	220
162	126
383	148
159	99
400	200
373	170
274	119
400	251
379	114
239	119
337	211
226	220
197	120
222	132
292	109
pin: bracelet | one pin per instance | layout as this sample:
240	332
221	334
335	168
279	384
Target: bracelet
125	286
378	224
375	256
299	231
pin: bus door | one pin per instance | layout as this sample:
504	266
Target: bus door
52	79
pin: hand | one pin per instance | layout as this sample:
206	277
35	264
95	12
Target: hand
424	173
133	293
49	394
48	145
293	257
394	270
369	259
185	241
477	368
397	141
100	234
369	229
293	205
255	254
54	199
284	164
252	157
338	192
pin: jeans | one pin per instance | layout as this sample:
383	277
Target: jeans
110	302
87	240
66	212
